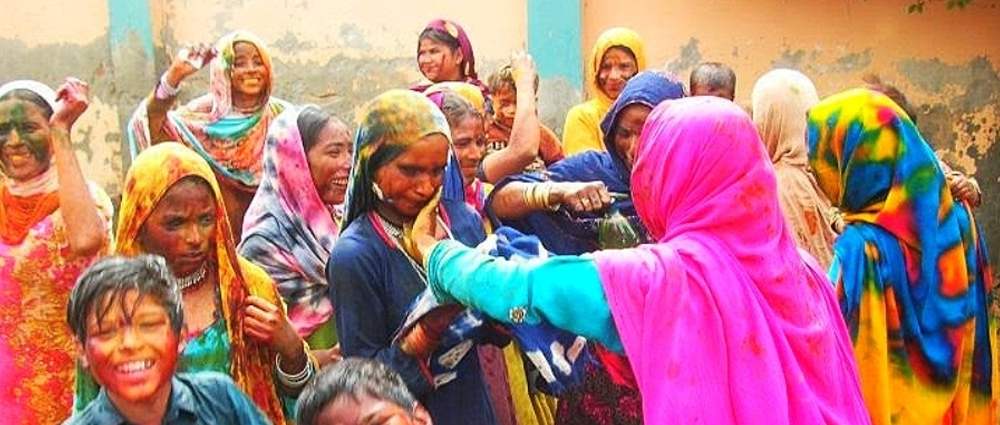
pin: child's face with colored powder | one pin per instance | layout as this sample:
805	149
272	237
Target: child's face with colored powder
131	349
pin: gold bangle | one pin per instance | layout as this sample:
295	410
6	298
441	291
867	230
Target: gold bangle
528	196
543	195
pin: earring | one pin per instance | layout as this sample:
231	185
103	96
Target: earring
378	191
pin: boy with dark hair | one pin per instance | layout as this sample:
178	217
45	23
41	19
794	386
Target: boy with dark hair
713	79
359	391
503	85
127	318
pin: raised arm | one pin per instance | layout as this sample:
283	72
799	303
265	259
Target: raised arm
187	62
522	148
85	228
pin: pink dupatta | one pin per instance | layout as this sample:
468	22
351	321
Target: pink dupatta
724	320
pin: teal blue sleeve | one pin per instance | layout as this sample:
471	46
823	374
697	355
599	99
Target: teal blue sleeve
564	291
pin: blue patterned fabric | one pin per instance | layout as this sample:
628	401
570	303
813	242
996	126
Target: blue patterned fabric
557	356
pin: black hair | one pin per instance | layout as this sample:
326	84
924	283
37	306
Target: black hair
113	278
311	122
456	108
439	36
352	377
29	96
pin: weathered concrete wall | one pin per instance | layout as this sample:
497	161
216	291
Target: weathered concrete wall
334	54
947	62
48	40
340	54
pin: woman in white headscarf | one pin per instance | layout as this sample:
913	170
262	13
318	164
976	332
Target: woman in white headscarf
781	98
49	233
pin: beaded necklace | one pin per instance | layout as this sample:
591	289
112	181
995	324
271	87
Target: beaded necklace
193	279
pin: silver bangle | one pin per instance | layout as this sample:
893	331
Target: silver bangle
294	380
164	90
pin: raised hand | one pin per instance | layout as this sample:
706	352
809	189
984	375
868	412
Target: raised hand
523	70
72	100
188	61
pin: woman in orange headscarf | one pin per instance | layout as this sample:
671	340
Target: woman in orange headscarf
172	207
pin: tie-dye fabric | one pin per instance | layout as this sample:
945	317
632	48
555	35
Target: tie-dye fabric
911	267
723	319
38	269
288	230
231	140
781	98
468	91
36	348
395	119
477	191
152	174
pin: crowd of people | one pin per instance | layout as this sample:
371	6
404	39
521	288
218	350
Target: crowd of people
672	258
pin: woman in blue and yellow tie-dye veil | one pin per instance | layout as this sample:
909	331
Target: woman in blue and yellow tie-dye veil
911	267
402	151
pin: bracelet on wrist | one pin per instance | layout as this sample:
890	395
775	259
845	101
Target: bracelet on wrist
296	380
164	90
536	196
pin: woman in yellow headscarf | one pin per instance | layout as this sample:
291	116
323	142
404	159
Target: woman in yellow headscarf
617	55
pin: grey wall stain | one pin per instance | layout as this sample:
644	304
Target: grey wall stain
92	62
53	62
352	36
790	59
959	94
555	96
343	84
853	62
977	81
689	57
813	62
289	42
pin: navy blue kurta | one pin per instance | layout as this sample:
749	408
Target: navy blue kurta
372	285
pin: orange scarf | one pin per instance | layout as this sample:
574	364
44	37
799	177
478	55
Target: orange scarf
153	173
19	214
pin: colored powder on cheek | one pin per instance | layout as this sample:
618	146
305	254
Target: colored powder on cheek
36	144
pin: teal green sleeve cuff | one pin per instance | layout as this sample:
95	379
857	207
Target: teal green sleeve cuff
565	291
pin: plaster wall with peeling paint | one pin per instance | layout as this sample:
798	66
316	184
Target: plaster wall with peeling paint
339	54
947	62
